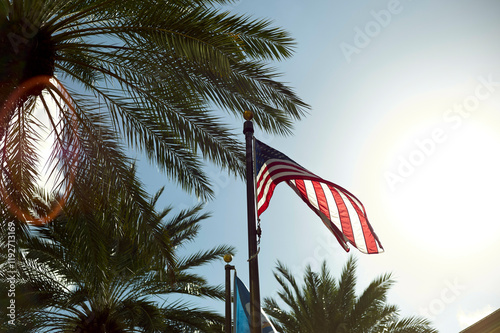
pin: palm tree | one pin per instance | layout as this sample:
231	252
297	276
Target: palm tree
324	304
152	74
90	272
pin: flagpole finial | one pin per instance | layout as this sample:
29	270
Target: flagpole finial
248	115
228	258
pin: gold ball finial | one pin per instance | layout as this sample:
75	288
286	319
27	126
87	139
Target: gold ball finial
228	258
248	115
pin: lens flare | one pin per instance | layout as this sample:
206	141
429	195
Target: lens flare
10	188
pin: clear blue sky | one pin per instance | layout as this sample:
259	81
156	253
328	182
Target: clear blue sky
405	100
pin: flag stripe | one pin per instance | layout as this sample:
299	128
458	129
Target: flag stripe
353	222
345	220
366	230
321	198
341	212
298	186
332	205
311	194
345	215
275	171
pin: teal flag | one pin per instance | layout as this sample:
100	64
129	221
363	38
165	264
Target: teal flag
242	310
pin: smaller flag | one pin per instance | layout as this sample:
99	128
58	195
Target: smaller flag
242	310
341	212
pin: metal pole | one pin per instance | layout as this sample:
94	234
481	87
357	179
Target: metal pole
227	259
254	320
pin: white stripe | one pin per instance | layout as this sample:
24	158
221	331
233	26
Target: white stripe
332	206
276	176
279	165
265	186
313	199
311	194
357	230
323	217
299	172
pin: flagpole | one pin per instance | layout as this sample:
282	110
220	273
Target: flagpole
254	320
228	268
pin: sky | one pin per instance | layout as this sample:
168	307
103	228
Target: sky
405	100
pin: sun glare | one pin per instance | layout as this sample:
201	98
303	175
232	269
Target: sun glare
434	182
451	204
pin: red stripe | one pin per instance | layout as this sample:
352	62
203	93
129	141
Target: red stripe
324	209
298	175
262	208
276	180
284	167
321	198
371	244
345	220
299	183
267	166
300	189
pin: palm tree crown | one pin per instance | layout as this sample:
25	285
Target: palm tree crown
93	272
324	304
148	72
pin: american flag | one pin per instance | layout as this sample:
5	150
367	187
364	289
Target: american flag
341	212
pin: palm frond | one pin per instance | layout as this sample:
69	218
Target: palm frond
159	67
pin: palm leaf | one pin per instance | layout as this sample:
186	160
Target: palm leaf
156	70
